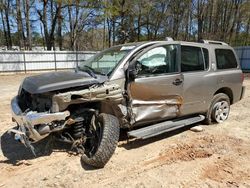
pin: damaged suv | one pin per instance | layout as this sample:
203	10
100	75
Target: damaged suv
154	87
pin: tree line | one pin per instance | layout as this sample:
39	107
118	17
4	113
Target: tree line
98	24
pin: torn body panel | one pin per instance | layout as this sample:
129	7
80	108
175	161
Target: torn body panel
27	121
38	125
110	97
149	102
118	110
112	93
146	111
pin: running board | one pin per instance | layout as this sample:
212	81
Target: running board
154	130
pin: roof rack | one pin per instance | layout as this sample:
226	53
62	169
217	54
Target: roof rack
214	42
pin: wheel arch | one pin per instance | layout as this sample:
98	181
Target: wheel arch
226	91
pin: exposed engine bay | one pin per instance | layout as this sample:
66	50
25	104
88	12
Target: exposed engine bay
69	113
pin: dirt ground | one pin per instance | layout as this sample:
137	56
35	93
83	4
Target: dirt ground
217	157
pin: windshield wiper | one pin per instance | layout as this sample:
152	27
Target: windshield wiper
89	70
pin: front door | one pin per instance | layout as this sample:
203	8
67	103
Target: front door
156	91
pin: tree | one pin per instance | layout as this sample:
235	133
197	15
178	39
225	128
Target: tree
19	24
49	22
27	5
5	14
95	24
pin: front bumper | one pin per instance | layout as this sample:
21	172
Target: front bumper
27	121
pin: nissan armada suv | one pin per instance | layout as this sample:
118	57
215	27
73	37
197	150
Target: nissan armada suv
147	88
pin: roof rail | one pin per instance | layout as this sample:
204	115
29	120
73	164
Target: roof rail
214	42
169	39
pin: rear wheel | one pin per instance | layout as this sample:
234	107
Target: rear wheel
103	138
219	109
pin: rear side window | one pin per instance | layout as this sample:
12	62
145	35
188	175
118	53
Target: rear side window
225	59
191	59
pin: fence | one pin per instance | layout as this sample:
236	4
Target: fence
16	61
243	53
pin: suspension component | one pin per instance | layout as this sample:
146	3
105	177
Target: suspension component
78	128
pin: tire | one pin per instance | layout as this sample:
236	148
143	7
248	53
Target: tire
219	109
110	132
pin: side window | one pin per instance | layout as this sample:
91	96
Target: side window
225	59
191	59
158	60
206	57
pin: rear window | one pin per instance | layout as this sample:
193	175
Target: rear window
225	59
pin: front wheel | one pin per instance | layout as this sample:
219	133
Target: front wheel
219	109
104	134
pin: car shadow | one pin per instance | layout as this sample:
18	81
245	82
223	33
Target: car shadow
133	143
15	151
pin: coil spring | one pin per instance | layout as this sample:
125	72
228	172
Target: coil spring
78	128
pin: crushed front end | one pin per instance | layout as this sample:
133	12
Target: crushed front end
33	126
67	112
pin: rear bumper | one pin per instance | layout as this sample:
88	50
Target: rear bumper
242	92
27	121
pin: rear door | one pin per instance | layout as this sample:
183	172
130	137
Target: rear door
194	68
156	92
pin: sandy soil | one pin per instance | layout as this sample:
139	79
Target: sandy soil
217	157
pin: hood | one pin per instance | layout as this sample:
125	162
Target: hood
59	80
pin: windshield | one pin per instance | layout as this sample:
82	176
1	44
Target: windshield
105	62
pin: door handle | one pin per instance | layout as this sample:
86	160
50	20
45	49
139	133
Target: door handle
177	82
